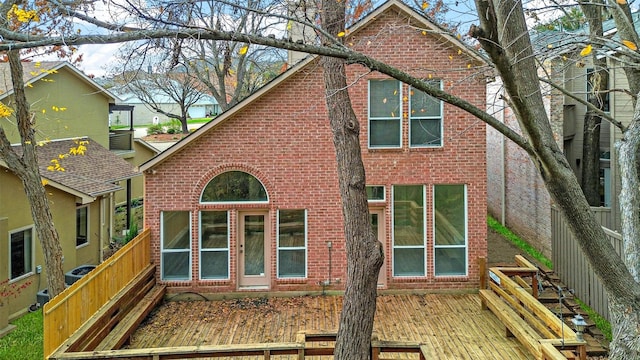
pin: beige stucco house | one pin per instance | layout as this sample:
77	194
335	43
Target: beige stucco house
69	107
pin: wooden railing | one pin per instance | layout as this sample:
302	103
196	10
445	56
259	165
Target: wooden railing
65	313
306	344
515	303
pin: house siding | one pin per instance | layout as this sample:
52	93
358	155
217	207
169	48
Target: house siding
18	215
284	140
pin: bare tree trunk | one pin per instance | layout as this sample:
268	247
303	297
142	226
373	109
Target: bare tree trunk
591	158
598	78
26	168
364	251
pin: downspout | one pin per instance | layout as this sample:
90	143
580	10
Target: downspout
101	232
503	188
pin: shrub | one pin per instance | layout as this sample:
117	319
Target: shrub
155	129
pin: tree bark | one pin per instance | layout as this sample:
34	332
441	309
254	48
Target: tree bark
25	167
364	251
590	179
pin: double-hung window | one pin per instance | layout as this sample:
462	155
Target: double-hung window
385	114
292	243
408	230
214	245
450	229
175	236
425	118
82	225
21	250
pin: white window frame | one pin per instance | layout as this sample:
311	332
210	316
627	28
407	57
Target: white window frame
88	226
424	234
441	118
163	251
378	201
233	202
285	248
466	233
370	119
201	249
33	252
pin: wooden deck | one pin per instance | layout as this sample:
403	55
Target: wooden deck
453	326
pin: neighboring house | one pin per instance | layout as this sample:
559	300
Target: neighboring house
69	106
143	114
516	193
250	201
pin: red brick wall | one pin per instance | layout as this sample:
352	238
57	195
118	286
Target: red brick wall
285	141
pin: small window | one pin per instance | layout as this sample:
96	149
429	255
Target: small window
425	118
82	225
385	114
292	243
375	193
214	245
234	186
603	102
450	230
21	248
175	236
408	230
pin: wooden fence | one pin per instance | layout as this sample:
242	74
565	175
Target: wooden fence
306	344
65	313
573	268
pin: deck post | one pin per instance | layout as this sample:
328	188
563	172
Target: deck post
482	267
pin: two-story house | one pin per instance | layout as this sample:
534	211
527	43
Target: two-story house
250	201
68	107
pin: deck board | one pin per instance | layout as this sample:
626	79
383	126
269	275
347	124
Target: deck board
452	325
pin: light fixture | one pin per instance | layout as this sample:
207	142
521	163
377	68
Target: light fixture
580	325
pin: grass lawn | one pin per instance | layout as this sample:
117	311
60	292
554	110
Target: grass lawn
26	341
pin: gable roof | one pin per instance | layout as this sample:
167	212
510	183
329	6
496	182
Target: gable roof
32	72
387	6
85	176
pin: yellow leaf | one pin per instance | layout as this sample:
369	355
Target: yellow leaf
459	51
450	57
424	32
44	111
395	92
621	2
51	168
243	50
30	85
341	34
430	76
550	46
44	182
404	98
630	44
586	51
425	5
468	66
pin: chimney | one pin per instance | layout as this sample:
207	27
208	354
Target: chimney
305	10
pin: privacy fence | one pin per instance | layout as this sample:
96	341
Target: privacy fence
65	313
573	268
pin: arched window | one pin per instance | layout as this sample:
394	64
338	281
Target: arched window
234	186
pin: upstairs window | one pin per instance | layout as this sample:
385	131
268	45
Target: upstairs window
385	114
425	118
234	186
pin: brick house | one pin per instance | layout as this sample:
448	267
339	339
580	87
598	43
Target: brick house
250	201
